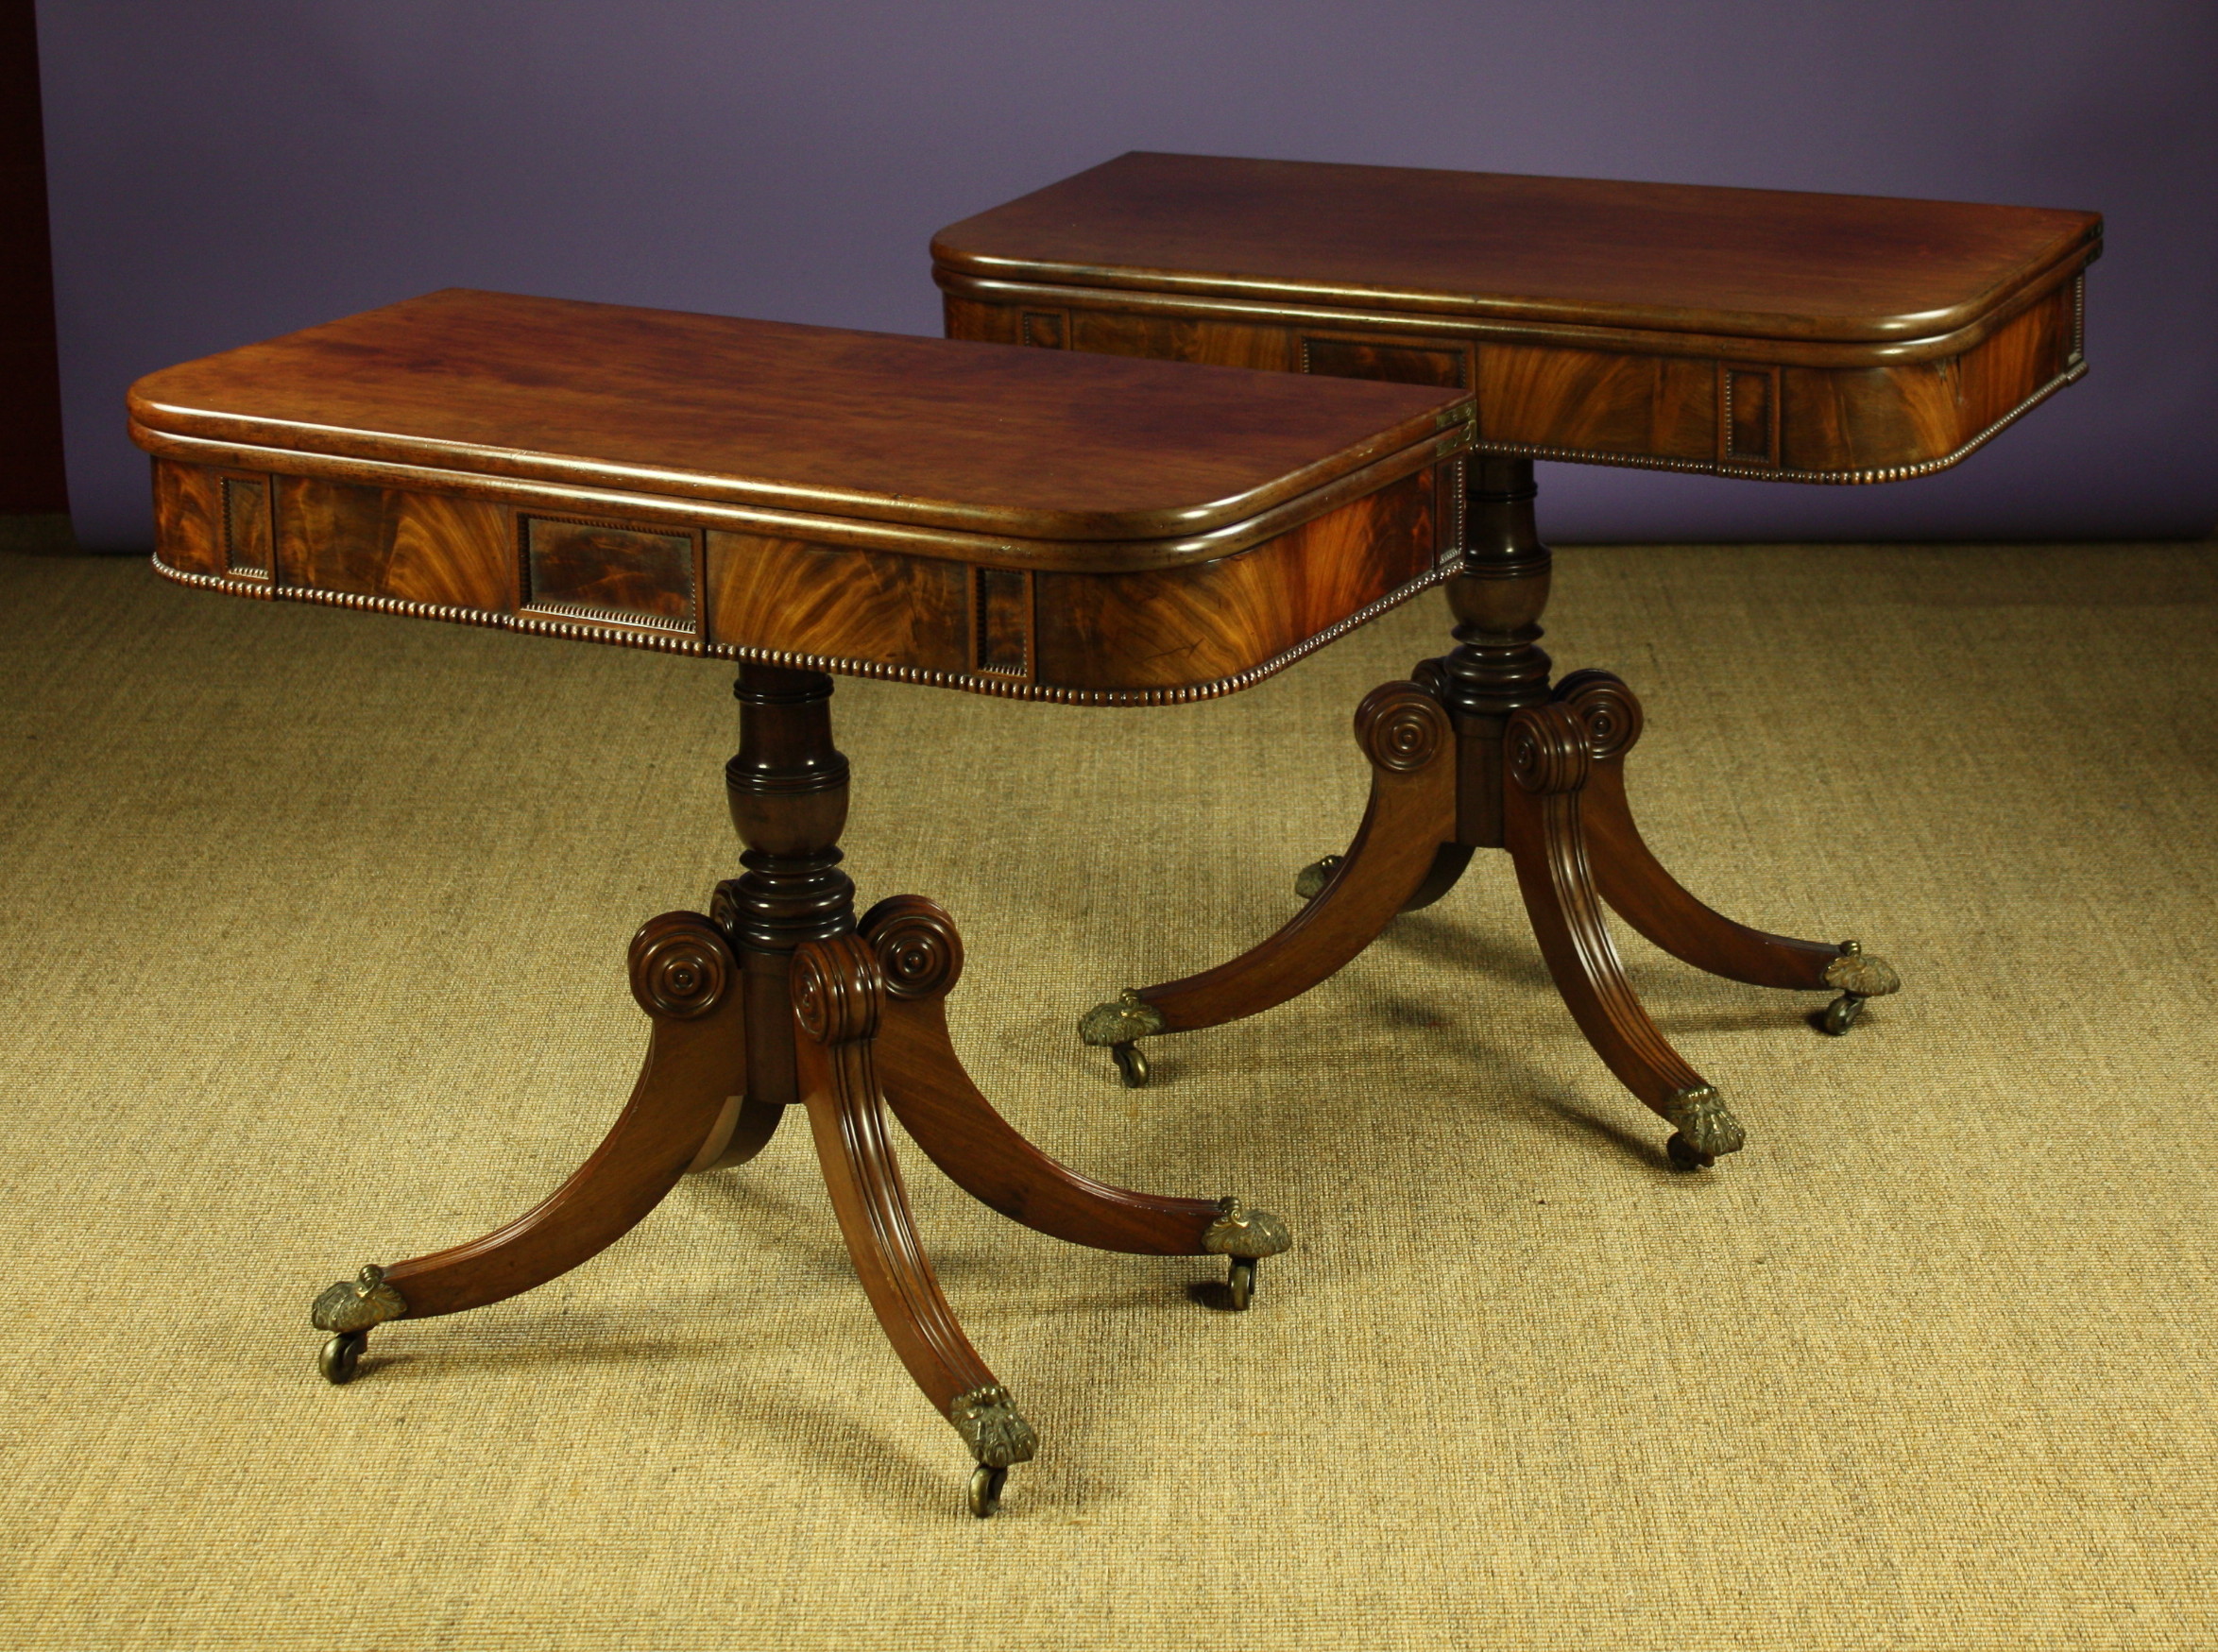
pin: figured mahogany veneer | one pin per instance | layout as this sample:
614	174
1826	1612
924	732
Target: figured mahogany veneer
1011	521
1762	333
1744	332
805	495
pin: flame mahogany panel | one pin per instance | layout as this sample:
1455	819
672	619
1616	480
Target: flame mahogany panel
1171	626
1749	333
880	606
384	542
1622	406
1074	449
1200	628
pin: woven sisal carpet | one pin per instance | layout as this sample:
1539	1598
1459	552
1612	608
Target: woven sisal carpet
314	926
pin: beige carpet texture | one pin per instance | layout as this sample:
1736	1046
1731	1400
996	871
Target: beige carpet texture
314	924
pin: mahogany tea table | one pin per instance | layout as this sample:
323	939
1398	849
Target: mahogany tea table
1755	333
808	501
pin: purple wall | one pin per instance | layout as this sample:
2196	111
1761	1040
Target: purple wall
223	172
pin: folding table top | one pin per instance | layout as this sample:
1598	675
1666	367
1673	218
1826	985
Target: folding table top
1059	526
880	427
1683	258
1762	333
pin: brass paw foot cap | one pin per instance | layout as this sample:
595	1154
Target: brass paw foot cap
356	1305
1121	1021
1700	1113
988	1420
1246	1233
1862	973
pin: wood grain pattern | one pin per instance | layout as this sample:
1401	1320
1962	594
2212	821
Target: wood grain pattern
248	535
1756	263
1549	764
1412	817
1628	875
430	547
1860	339
1654	405
1601	402
695	1060
1152	635
1173	628
838	991
920	954
819	600
188	518
607	569
873	426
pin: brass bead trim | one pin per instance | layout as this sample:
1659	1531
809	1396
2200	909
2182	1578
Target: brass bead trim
669	642
1772	473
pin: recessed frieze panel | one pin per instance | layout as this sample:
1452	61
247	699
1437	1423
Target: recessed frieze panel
247	537
1045	328
1748	415
1001	622
603	570
1399	363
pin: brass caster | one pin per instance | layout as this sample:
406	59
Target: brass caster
1859	975
1309	882
341	1355
1240	1284
1841	1014
1118	1026
1132	1067
1684	1155
986	1490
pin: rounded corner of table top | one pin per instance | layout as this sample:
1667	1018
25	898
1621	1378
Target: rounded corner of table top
1126	532
1765	335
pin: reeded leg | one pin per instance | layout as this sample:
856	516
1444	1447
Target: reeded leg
1550	765
684	977
920	959
1634	883
773	1000
839	1000
1410	820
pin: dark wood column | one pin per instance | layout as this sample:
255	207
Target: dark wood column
788	790
1497	666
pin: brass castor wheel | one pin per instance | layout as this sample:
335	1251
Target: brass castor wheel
1841	1013
986	1490
341	1356
1684	1155
1240	1284
1309	882
1132	1067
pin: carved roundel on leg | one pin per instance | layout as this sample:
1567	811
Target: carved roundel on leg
680	967
918	950
1402	727
1607	706
836	984
1546	747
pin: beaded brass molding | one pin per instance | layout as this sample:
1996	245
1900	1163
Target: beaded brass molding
1775	473
632	635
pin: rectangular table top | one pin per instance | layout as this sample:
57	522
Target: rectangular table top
1680	258
1762	333
877	427
1081	528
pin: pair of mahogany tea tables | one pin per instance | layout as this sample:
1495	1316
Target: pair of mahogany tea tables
1119	511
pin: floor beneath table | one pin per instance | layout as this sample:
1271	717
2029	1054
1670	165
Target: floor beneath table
315	927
